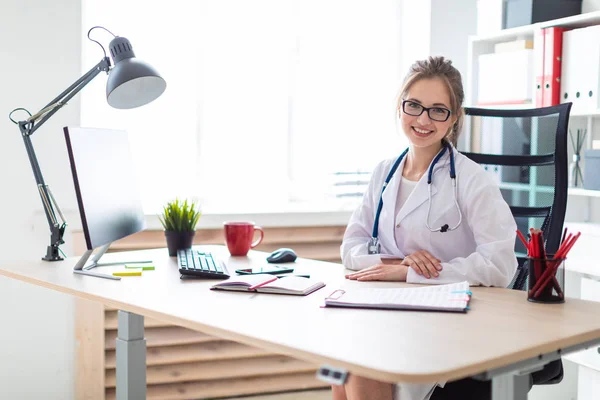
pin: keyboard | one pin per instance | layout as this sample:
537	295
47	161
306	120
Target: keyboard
194	263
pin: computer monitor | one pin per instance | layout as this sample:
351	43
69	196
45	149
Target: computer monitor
104	178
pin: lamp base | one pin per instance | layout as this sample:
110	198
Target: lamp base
52	254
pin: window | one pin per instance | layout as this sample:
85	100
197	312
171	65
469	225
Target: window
266	100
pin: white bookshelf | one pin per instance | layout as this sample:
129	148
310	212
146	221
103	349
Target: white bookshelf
506	35
592	113
574	21
484	44
528	31
584	192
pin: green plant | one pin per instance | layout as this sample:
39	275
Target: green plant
178	216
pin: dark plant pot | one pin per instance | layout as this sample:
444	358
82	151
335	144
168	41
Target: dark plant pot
178	240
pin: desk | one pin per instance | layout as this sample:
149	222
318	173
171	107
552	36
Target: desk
501	336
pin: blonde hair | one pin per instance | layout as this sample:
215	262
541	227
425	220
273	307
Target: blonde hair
439	67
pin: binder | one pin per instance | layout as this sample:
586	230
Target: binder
589	47
538	48
580	69
552	65
572	69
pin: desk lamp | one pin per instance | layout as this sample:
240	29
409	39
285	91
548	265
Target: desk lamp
131	83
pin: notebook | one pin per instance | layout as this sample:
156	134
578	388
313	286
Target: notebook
265	283
453	297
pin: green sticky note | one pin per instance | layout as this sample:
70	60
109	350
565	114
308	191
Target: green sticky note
144	267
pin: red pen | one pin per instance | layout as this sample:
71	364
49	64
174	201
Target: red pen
523	240
534	253
274	278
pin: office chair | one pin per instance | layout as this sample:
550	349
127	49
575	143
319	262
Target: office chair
526	152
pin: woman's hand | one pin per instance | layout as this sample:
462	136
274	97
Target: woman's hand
388	270
423	263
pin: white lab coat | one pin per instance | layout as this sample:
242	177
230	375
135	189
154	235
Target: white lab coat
480	251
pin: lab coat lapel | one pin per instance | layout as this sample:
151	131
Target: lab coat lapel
419	196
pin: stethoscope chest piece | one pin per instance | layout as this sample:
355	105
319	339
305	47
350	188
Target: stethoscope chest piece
373	246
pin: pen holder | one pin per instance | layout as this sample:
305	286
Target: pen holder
546	280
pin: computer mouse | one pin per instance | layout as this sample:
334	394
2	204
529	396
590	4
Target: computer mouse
282	255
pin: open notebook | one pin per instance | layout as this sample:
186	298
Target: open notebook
452	297
265	283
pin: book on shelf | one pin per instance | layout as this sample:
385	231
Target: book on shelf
265	283
454	297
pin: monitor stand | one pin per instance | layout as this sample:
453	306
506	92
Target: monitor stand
83	269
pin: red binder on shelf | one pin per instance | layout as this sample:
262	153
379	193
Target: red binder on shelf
538	48
552	65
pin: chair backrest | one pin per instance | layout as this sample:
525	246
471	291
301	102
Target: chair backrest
526	152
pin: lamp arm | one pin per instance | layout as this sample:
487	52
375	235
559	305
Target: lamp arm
27	128
62	99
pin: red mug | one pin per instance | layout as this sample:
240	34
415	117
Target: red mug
239	235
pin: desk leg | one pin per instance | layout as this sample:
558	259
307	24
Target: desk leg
131	357
510	387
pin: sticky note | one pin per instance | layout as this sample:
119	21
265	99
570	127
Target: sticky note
127	273
146	267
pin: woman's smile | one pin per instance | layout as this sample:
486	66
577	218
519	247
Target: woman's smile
421	132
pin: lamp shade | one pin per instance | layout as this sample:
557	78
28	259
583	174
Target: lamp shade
131	82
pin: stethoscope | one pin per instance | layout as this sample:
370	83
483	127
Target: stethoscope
373	246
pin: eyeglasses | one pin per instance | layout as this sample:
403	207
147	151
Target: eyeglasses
439	114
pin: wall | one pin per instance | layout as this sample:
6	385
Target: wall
437	28
40	46
452	22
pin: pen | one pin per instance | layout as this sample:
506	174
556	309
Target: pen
299	276
523	239
262	283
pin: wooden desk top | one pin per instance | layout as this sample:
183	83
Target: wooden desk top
501	328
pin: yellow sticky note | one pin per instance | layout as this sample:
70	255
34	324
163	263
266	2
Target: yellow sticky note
127	273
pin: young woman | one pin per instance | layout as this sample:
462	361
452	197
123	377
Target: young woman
429	216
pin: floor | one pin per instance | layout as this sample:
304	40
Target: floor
304	395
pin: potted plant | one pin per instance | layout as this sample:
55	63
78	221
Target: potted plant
179	218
